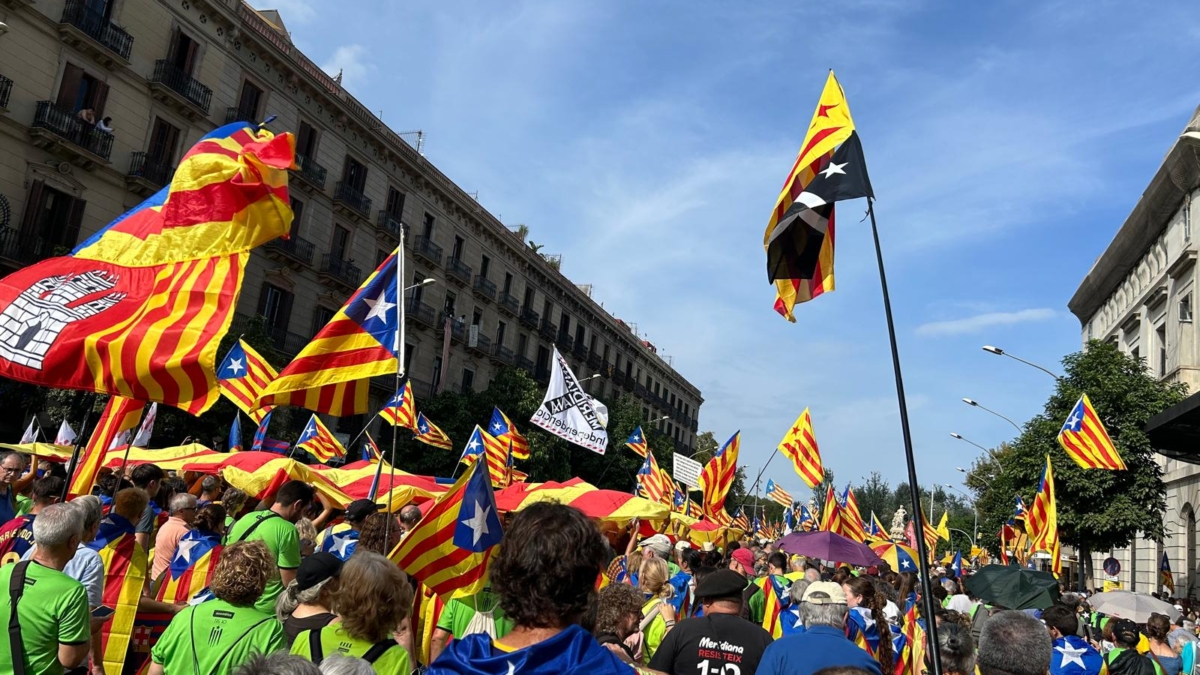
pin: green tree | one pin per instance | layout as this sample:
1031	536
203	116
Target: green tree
875	495
1097	509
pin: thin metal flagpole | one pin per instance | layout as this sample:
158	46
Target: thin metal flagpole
754	486
401	345
73	465
927	606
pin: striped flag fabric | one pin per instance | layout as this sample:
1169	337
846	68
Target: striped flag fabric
318	441
807	522
1041	521
1086	441
1165	578
401	408
852	520
740	521
778	494
264	443
191	569
332	374
831	512
449	549
430	434
502	428
138	309
483	445
637	442
800	446
242	376
877	531
125	570
370	449
649	481
717	476
120	416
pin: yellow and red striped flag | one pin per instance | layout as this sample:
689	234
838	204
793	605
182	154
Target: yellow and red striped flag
1086	441
429	433
401	409
318	441
125	571
481	444
831	513
852	521
800	446
1041	520
649	481
501	427
637	442
449	549
717	476
139	309
242	376
120	415
778	494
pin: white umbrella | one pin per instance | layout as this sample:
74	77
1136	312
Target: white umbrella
1136	607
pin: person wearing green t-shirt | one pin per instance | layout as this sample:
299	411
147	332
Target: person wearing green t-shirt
373	598
457	615
53	609
218	636
277	529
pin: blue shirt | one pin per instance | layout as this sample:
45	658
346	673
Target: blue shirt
8	506
816	648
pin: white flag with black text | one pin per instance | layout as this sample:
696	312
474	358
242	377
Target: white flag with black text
568	412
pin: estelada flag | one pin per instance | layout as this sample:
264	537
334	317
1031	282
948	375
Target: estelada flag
800	233
800	446
191	569
124	575
775	600
852	520
649	480
1086	441
831	512
717	476
243	375
502	428
401	409
430	434
139	308
332	374
637	442
318	441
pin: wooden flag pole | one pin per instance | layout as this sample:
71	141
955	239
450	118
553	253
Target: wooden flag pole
927	606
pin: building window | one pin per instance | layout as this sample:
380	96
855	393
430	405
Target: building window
522	344
1135	355
448	305
409	350
183	52
79	90
381	255
468	380
395	204
457	251
508	279
1185	309
501	328
354	175
428	226
437	371
297	216
164	138
52	219
477	318
250	101
485	263
275	306
528	297
579	335
306	141
1161	335
340	244
321	317
419	290
543	363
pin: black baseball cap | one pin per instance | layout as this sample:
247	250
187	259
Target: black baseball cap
723	583
317	568
1126	632
359	509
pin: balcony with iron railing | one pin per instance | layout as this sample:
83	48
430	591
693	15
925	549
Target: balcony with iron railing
389	225
295	249
351	199
528	318
310	172
236	114
458	330
507	302
525	363
483	344
618	377
502	354
421	313
61	129
458	271
5	91
339	271
580	350
564	342
83	26
18	251
421	389
548	330
171	84
484	288
423	247
593	361
147	175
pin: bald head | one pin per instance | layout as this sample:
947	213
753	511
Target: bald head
409	515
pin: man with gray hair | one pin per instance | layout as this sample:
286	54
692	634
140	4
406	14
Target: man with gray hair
278	663
54	626
183	514
210	491
1013	643
12	464
823	644
409	517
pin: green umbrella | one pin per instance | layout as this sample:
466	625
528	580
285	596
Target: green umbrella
1014	587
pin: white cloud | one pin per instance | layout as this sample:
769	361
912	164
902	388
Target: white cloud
348	60
974	324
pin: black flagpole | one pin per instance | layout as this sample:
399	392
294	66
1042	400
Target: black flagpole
927	606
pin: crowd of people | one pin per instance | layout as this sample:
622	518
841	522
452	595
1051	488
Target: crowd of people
303	587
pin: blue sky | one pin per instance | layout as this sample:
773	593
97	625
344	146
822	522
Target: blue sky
646	143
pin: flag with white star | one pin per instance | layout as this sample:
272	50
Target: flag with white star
637	442
450	548
1072	655
242	376
502	428
332	374
429	433
1086	441
401	408
191	568
318	441
340	542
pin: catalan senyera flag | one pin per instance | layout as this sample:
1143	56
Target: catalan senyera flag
775	600
649	480
318	441
778	494
800	446
332	373
120	415
717	476
1165	578
800	232
125	572
428	433
242	376
1086	441
502	428
831	512
138	309
450	547
401	409
1041	521
637	442
852	520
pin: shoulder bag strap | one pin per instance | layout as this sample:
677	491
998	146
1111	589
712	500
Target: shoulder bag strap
377	650
651	616
316	653
250	530
16	588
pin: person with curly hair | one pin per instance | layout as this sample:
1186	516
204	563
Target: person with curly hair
376	534
545	573
618	612
218	636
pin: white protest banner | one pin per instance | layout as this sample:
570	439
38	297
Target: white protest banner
687	471
568	412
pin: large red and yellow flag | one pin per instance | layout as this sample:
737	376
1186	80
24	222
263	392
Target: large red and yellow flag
1041	521
332	373
650	482
124	576
717	476
120	415
800	446
318	441
138	309
1086	441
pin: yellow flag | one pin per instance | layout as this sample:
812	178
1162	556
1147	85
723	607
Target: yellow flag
943	529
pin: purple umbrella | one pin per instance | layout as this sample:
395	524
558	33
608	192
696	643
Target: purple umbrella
829	546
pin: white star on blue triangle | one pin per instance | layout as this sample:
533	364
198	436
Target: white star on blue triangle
369	306
1075	421
477	527
310	432
234	365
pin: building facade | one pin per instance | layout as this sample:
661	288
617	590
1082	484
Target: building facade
100	98
1140	295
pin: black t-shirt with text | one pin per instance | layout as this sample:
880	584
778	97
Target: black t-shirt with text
720	644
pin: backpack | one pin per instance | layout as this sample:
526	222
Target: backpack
484	620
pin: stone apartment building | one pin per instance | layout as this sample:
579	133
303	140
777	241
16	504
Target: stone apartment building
1140	295
167	72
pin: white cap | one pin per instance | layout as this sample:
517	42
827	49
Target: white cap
682	544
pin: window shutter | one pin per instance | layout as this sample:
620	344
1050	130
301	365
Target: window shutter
71	235
285	310
68	91
99	98
33	206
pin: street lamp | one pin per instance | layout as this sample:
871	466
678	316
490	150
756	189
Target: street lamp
974	508
991	453
589	377
421	284
1000	352
975	404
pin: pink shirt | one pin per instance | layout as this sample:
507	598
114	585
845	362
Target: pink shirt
166	543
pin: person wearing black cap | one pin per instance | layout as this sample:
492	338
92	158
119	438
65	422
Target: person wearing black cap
719	638
305	603
341	540
1123	658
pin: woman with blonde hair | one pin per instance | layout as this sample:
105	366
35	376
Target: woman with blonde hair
658	615
372	600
